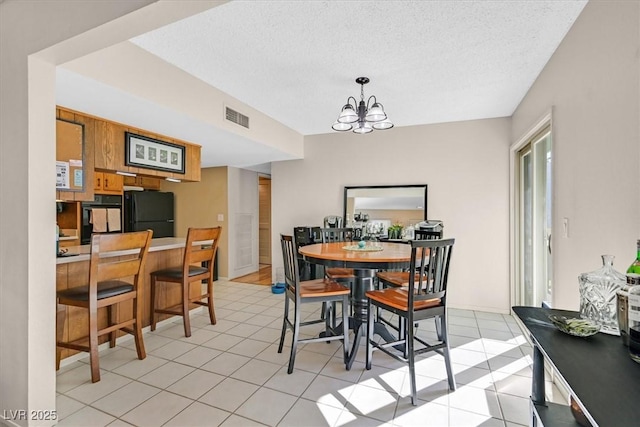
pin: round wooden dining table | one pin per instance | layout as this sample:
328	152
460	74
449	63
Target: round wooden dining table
365	263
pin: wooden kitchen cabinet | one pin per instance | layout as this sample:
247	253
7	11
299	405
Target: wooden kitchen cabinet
105	151
69	219
107	183
109	150
149	183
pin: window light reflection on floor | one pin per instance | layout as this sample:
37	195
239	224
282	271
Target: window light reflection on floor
490	357
472	404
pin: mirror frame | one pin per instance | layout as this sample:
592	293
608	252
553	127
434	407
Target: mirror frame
346	189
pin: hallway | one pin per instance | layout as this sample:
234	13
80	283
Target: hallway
260	277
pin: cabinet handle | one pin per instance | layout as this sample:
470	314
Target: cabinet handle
106	183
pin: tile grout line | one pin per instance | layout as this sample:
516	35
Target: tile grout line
248	338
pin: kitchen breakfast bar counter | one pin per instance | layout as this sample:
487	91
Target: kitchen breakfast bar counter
72	270
81	253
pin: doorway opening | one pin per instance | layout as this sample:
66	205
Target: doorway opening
264	221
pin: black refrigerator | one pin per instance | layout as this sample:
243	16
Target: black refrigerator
149	210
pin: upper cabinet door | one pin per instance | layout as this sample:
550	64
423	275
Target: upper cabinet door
109	150
75	136
108	183
112	183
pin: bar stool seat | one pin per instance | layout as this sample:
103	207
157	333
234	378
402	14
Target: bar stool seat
108	289
176	272
339	273
395	278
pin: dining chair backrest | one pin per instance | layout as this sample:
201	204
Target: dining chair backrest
135	246
431	258
289	256
330	235
427	234
197	254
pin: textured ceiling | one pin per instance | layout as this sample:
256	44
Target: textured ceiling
429	61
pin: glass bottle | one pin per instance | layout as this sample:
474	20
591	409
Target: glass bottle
633	272
633	279
634	322
598	295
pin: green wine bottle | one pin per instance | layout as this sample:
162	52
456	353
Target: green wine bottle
633	272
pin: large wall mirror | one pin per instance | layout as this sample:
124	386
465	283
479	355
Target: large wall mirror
376	208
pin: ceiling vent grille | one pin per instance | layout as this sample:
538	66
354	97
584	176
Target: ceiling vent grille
237	118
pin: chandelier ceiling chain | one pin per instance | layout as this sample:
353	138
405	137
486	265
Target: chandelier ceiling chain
364	118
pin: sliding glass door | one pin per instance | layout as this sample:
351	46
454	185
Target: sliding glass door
534	221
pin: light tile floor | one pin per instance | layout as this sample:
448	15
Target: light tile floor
230	374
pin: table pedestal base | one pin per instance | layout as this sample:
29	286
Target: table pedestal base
364	281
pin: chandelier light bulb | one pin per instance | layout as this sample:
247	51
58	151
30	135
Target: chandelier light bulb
348	114
341	127
363	127
383	125
376	113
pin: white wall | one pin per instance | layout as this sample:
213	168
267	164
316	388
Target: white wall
137	72
243	200
27	153
592	83
466	166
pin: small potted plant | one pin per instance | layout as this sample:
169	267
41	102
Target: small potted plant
395	231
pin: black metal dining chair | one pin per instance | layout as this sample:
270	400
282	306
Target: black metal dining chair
425	297
330	235
340	275
401	278
310	291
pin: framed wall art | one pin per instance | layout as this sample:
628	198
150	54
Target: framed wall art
144	152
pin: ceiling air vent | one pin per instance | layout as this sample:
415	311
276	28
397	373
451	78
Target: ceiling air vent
237	118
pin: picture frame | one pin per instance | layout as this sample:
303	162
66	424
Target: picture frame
149	153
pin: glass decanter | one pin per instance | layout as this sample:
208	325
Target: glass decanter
598	295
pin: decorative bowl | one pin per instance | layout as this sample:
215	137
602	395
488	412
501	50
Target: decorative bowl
575	326
278	288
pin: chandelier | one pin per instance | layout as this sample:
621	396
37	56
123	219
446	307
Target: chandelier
359	116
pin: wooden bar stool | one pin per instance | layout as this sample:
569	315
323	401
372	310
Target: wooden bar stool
110	262
191	271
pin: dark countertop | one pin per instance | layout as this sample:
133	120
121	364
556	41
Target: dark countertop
598	370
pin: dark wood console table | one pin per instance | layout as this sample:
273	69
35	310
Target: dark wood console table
598	371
